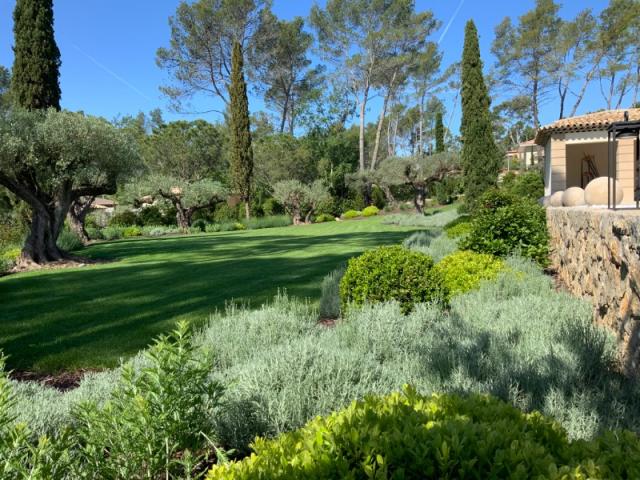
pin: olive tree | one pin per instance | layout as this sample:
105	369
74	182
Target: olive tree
49	159
419	172
300	200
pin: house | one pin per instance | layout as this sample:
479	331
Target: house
577	151
524	155
103	204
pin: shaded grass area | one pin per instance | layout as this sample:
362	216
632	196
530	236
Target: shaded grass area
92	316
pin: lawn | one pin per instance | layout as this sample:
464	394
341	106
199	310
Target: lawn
91	317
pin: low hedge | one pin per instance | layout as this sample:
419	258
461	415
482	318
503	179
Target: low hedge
323	217
463	271
351	214
411	436
391	273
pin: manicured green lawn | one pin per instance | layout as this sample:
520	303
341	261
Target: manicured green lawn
93	316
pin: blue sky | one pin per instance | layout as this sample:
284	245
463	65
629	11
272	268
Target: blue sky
108	49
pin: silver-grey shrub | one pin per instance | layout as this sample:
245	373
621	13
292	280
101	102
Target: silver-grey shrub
330	294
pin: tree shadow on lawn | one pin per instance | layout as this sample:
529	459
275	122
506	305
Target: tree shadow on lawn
91	317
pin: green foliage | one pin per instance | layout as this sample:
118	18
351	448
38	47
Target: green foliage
224	213
125	218
132	231
464	270
157	419
300	200
439	133
112	233
240	128
391	273
447	190
8	258
480	157
271	221
351	214
330	298
437	219
199	224
459	227
504	224
436	246
528	185
69	241
377	197
370	211
413	436
35	73
323	217
272	207
151	216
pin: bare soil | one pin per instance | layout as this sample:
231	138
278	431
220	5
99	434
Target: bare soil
63	381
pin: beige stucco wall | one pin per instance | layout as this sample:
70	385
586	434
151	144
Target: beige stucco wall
566	151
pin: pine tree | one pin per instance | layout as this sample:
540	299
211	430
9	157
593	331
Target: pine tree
36	64
480	157
241	151
439	133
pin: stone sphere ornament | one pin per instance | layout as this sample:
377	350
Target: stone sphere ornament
555	200
595	193
573	197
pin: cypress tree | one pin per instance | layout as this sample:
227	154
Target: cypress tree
241	151
34	81
480	157
439	133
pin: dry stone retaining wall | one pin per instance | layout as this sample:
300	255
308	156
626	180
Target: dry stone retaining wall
596	253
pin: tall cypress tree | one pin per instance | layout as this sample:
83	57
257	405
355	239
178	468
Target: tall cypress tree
34	81
439	133
480	158
241	151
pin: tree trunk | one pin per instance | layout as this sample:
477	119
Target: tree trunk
363	108
182	218
418	199
421	126
247	210
285	110
40	246
77	215
387	193
383	113
534	106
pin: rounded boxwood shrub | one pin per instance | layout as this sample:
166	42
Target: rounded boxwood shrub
411	436
464	270
459	227
130	232
504	224
124	219
351	214
370	211
391	273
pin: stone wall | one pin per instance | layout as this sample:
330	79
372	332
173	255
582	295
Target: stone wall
597	256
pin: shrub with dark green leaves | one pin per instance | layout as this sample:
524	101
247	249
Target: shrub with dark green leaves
351	214
125	218
378	197
272	207
528	185
391	273
464	270
225	213
370	211
151	216
412	436
199	224
504	224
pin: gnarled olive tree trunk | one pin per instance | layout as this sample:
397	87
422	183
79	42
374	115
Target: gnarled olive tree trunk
77	216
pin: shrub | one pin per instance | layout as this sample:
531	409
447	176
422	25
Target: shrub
370	211
528	185
447	190
199	224
8	258
351	214
437	219
130	232
225	213
125	218
391	273
272	207
239	226
273	221
378	198
459	227
112	233
69	241
330	297
212	228
505	224
155	418
323	217
412	436
463	271
150	216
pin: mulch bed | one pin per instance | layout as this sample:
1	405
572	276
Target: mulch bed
62	381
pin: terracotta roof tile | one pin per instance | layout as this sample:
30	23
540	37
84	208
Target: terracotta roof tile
586	123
